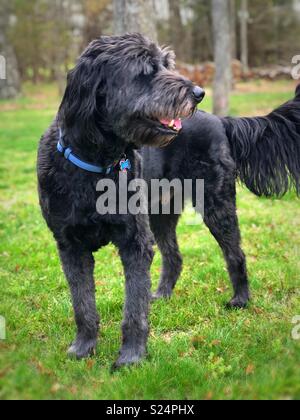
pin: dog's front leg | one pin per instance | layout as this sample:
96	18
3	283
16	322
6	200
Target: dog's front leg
137	258
78	265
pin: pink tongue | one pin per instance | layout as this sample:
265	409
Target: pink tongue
173	123
178	125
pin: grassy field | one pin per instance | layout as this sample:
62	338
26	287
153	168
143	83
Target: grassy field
198	349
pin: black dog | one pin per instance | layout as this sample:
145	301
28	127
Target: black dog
123	94
263	152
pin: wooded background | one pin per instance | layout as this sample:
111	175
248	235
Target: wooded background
41	39
198	349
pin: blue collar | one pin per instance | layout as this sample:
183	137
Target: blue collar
125	164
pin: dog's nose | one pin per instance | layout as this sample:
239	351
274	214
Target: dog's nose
198	93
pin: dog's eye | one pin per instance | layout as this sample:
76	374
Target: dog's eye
149	67
167	64
155	68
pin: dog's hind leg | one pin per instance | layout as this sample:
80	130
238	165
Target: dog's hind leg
223	223
78	265
164	229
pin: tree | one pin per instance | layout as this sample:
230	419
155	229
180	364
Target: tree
9	73
244	18
135	16
96	15
176	27
222	54
232	5
46	38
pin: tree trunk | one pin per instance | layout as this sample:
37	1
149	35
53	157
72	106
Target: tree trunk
9	73
296	8
244	18
135	16
176	27
233	28
222	53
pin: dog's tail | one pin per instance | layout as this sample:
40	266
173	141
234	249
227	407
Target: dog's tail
267	149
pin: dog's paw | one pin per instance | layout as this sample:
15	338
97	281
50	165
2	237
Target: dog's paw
82	349
161	295
128	359
238	303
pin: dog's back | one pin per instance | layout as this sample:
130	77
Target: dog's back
265	150
202	143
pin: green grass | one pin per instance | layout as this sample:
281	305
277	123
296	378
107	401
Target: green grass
197	348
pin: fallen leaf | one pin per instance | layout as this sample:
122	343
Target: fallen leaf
187	354
228	391
250	369
209	396
222	289
167	338
258	311
4	372
41	368
90	363
55	388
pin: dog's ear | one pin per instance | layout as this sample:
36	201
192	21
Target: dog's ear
298	91
78	109
169	58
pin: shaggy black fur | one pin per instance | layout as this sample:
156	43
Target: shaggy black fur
263	152
120	90
267	149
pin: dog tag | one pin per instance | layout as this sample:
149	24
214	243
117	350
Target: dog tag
125	165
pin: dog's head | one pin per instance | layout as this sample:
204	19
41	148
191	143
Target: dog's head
127	86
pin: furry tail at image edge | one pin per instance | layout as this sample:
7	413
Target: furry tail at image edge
267	149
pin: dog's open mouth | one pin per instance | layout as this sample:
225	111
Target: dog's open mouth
175	124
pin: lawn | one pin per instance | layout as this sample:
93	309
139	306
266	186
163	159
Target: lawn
198	349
